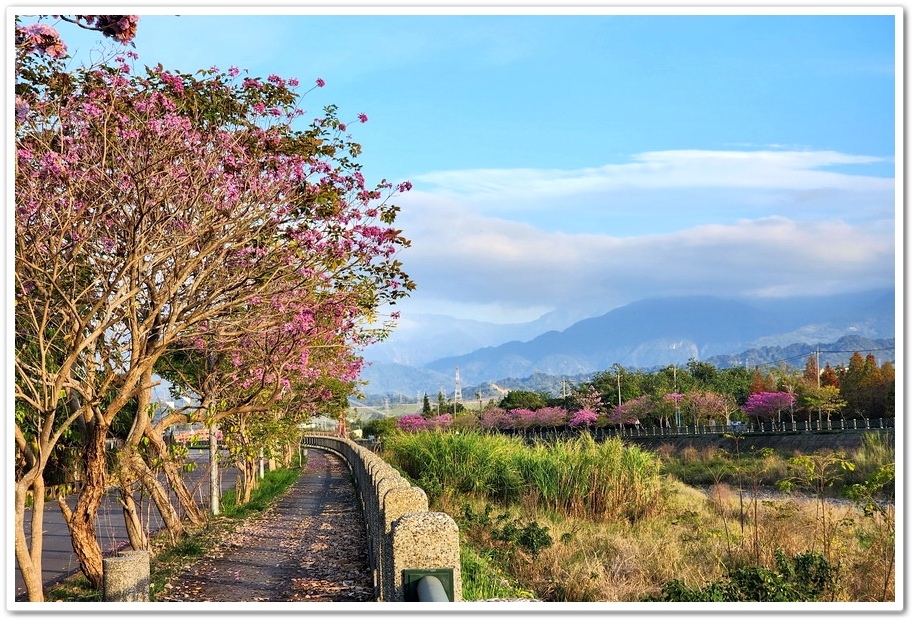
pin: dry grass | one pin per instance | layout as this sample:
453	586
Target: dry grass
696	539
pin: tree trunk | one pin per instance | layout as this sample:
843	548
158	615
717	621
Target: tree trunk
81	520
247	468
175	478
157	492
29	555
213	464
139	539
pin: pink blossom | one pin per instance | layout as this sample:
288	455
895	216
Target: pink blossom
42	39
583	417
319	82
362	117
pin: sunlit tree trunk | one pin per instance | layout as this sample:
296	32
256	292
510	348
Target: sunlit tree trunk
29	557
81	519
159	495
139	540
246	479
175	477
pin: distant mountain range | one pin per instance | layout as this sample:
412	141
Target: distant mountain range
646	334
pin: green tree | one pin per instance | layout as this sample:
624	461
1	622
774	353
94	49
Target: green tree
866	388
523	399
819	401
617	385
380	427
705	373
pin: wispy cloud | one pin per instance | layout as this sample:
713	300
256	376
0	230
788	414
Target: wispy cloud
797	170
472	251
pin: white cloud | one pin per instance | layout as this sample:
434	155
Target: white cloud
793	170
751	241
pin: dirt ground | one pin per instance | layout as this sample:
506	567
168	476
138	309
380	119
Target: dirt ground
309	547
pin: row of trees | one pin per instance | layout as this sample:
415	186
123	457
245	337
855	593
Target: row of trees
701	394
190	227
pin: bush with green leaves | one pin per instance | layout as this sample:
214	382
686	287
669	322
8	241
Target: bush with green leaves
807	576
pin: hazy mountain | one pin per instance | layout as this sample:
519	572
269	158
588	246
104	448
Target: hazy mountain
421	338
657	332
395	378
796	355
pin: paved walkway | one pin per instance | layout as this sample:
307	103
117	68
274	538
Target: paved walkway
310	547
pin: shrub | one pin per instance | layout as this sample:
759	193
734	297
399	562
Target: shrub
806	577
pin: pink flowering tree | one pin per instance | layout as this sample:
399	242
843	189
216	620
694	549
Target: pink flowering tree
767	406
667	408
707	407
632	412
165	215
588	397
583	418
521	419
551	417
414	423
495	418
411	423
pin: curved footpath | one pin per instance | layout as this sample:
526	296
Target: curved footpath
310	546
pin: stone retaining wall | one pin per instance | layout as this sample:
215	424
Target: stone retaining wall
403	533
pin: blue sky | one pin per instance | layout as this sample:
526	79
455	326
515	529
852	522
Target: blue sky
587	161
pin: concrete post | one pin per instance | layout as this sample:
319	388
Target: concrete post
395	503
126	576
425	541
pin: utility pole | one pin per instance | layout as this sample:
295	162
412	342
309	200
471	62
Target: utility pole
817	364
677	406
457	387
619	399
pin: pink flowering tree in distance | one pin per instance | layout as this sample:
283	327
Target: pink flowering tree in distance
632	412
583	418
707	407
551	417
767	406
415	423
521	419
494	418
168	221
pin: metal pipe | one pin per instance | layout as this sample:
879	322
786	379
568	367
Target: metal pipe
429	588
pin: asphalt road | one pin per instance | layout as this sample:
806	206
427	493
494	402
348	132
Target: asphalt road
58	560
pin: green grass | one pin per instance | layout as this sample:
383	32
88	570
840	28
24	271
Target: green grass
578	477
481	579
274	484
766	467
